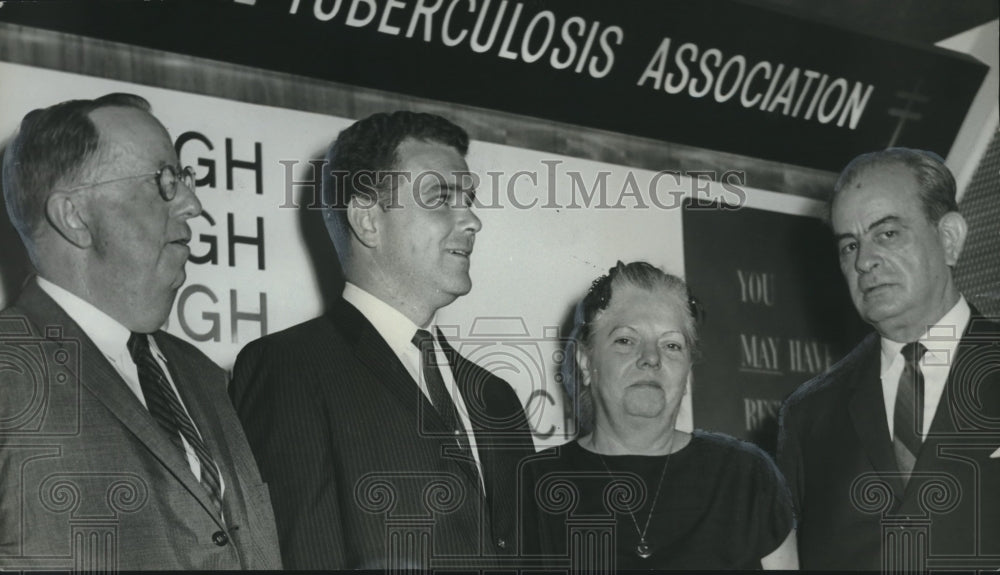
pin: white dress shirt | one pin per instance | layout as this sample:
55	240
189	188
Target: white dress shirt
397	330
941	341
111	338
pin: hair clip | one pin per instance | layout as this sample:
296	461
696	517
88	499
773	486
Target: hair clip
696	309
599	290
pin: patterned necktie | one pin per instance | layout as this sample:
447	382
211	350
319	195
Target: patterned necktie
440	397
908	419
166	409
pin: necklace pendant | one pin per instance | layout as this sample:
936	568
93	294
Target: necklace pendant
643	550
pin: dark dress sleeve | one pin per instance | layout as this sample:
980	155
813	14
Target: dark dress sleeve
773	509
790	455
538	526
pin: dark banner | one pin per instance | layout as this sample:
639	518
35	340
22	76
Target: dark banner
715	74
777	313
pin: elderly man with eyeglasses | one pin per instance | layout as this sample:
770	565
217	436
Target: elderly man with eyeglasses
119	448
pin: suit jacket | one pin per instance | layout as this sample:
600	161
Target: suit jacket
88	480
363	472
835	450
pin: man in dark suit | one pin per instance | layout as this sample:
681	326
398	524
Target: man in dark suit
892	454
384	447
119	448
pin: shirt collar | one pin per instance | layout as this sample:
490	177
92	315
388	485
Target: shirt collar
391	324
941	339
110	337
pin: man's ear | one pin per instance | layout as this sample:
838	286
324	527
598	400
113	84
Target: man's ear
583	360
64	212
952	230
363	215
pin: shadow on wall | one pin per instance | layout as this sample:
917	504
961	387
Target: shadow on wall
15	268
568	376
322	254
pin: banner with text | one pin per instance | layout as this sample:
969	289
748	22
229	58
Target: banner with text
777	310
716	74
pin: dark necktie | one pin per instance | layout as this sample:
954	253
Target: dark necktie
440	397
166	409
908	419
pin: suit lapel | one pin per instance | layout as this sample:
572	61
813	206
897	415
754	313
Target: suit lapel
101	379
943	426
474	404
473	400
187	382
941	430
372	350
867	409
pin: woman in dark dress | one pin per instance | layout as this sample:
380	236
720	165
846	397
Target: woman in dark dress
633	490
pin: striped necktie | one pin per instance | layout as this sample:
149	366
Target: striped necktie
166	409
908	418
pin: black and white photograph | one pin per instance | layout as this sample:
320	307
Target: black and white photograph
500	286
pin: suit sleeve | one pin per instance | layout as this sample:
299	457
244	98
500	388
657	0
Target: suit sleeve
790	457
286	425
14	394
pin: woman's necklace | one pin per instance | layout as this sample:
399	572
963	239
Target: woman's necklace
642	549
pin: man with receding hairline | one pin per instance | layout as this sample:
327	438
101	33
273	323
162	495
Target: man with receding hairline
119	448
890	454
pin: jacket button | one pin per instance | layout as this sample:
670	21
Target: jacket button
501	543
220	538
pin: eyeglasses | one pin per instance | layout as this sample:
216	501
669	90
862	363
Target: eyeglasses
166	179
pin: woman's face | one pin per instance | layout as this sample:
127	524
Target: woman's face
638	359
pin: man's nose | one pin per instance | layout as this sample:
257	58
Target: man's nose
868	258
186	202
470	221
